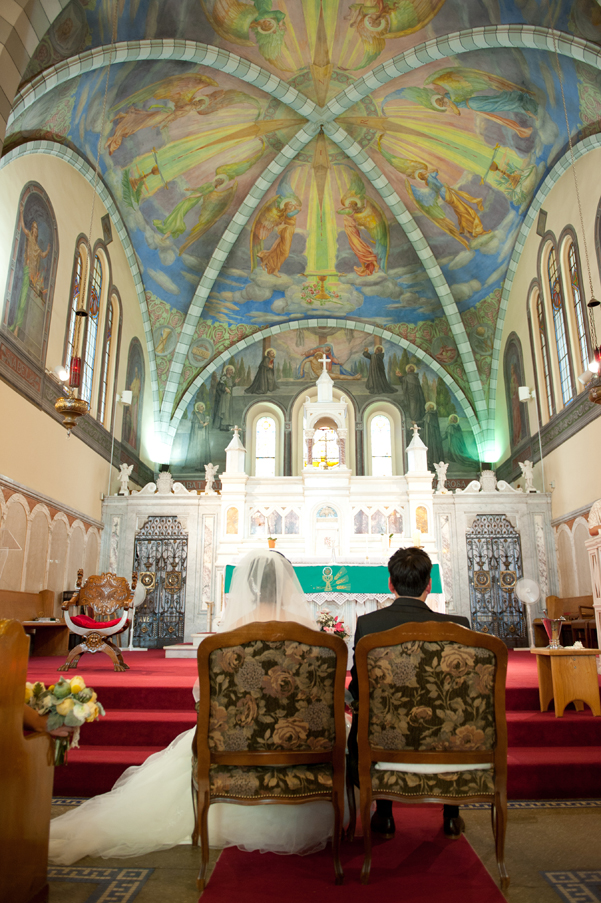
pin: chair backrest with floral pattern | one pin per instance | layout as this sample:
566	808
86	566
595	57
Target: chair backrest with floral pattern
276	689
436	693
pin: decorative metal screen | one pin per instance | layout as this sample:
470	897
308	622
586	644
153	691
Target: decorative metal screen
494	560
160	558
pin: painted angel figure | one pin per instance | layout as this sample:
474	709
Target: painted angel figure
458	88
124	472
182	96
428	198
277	215
527	468
238	22
210	477
361	213
379	20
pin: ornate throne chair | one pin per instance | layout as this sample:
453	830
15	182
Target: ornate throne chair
432	725
283	757
103	595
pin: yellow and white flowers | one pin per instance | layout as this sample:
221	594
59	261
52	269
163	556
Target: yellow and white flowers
67	703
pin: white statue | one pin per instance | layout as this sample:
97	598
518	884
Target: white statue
124	472
210	475
441	473
527	468
164	483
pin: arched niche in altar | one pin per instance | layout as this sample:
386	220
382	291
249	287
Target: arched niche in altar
297	425
326	531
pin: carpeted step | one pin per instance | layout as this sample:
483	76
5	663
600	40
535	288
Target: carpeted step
544	729
559	772
143	728
94	769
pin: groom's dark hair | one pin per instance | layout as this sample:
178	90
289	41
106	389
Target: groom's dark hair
409	571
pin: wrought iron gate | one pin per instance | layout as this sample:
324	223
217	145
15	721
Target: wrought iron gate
494	560
160	558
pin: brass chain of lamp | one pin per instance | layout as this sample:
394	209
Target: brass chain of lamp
595	391
72	407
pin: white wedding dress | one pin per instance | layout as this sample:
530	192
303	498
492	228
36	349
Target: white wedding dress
150	806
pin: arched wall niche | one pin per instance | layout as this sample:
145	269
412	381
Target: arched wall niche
76	559
16	522
38	540
91	555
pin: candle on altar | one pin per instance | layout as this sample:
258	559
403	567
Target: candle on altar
417	538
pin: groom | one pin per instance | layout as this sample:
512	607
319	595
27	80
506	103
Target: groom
410	580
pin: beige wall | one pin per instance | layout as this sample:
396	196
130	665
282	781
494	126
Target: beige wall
572	466
35	450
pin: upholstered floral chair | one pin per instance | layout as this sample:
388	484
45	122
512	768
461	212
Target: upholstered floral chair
270	723
103	595
431	726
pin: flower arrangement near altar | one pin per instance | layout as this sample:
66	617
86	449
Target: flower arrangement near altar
67	703
332	624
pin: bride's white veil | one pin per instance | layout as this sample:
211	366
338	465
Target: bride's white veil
265	587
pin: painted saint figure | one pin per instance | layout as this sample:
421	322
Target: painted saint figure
264	381
457	448
222	405
413	400
32	275
199	452
377	381
431	435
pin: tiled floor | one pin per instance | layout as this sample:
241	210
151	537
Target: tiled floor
538	840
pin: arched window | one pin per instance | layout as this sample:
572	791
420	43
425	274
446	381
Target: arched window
578	302
79	275
544	347
559	322
381	446
107	349
265	444
92	330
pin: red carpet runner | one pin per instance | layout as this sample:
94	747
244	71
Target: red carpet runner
419	865
148	706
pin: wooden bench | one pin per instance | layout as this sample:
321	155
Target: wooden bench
47	637
26	776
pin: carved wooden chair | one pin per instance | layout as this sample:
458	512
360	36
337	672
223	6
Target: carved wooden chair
431	724
26	776
309	762
103	596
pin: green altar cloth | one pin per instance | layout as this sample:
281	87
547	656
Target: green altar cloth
336	578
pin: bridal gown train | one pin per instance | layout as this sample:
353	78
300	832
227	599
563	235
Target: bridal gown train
150	808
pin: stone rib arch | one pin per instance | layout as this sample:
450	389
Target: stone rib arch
216	364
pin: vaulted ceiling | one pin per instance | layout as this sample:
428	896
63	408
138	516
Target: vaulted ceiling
279	163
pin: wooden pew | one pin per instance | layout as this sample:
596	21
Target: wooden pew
26	776
47	637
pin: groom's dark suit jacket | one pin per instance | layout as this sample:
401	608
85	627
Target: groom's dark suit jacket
403	610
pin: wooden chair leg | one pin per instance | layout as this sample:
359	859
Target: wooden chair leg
203	817
500	826
365	807
72	658
338	803
352	808
195	833
115	656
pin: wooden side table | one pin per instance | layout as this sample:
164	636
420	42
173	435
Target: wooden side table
568	675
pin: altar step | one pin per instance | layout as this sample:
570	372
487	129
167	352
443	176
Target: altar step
186	650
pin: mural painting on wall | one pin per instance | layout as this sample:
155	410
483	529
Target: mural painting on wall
517	411
32	272
134	381
281	366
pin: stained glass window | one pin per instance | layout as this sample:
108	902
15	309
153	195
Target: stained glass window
265	447
274	523
106	361
75	293
563	356
544	345
325	447
92	330
395	522
361	522
381	446
379	522
291	522
578	306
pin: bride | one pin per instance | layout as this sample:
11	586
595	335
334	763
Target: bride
150	806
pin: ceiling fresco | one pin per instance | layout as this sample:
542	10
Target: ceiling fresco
332	179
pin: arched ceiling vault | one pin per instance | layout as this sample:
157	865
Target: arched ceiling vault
374	141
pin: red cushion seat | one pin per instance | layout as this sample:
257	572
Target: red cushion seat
91	624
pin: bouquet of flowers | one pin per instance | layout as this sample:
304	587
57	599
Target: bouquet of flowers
67	703
332	624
